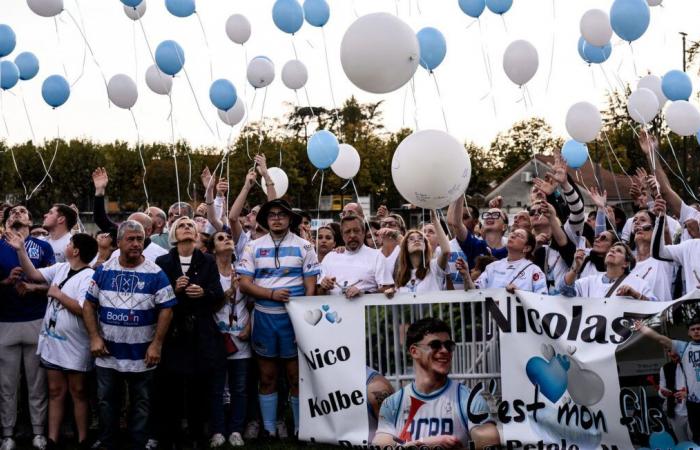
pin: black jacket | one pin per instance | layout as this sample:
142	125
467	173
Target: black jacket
193	343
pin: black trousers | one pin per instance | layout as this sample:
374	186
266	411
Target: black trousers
694	420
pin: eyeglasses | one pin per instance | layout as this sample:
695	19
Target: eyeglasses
223	237
278	215
491	215
436	344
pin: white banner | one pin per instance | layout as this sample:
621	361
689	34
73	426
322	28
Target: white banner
573	374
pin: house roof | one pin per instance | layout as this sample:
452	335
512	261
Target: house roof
584	177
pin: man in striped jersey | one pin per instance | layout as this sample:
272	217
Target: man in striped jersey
274	268
131	298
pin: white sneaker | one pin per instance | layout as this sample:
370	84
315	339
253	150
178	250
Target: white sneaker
236	440
39	442
151	444
252	430
217	441
282	430
8	444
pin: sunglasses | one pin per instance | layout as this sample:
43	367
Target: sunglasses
602	237
222	238
436	344
490	215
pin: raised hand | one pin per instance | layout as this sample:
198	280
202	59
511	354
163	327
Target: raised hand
648	143
15	239
559	168
222	187
261	164
496	202
100	180
250	179
599	199
206	178
544	186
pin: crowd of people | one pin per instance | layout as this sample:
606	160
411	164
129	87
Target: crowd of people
186	308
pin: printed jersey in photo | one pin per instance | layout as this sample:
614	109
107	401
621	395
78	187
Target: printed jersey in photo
690	363
129	302
409	415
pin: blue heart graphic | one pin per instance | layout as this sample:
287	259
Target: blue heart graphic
332	316
325	307
549	376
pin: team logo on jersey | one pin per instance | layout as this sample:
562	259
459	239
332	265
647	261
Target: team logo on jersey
33	253
264	252
535	276
447	408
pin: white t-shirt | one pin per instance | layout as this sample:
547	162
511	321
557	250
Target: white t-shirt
59	247
434	281
232	319
63	339
523	273
556	269
680	408
687	255
365	269
687	213
659	275
690	360
597	286
151	252
390	263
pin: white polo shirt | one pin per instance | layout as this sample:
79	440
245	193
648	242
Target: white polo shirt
364	268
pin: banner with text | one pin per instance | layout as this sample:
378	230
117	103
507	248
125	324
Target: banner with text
556	372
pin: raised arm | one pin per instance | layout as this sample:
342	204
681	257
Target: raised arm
261	164
16	241
238	205
100	180
442	241
659	250
649	144
212	215
454	219
647	331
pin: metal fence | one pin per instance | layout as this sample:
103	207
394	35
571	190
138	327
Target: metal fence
476	357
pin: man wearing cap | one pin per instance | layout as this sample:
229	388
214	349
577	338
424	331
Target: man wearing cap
274	268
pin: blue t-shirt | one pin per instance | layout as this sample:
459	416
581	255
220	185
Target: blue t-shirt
473	246
13	307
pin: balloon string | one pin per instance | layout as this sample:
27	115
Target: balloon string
634	62
177	176
58	46
503	19
681	176
136	58
53	158
247	121
676	175
196	102
551	56
330	83
673	152
189	174
12	153
442	105
174	150
89	47
415	104
206	43
161	75
2	111
140	150
357	195
487	66
403	112
31	129
262	121
579	177
313	114
245	64
607	140
614	176
318	209
82	24
354	9
294	48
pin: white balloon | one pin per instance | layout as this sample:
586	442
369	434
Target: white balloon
46	8
379	53
431	169
583	122
348	162
683	118
642	105
234	115
520	61
238	29
654	2
595	27
294	74
122	91
261	72
135	13
279	177
157	81
653	83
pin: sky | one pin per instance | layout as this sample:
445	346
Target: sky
474	111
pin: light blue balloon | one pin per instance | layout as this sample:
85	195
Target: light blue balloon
170	57
661	440
432	47
180	8
677	85
499	6
575	154
630	18
686	445
288	15
132	3
8	40
55	90
322	149
472	8
317	12
9	75
28	65
222	94
592	54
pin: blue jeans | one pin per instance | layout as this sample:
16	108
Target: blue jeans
237	372
109	382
